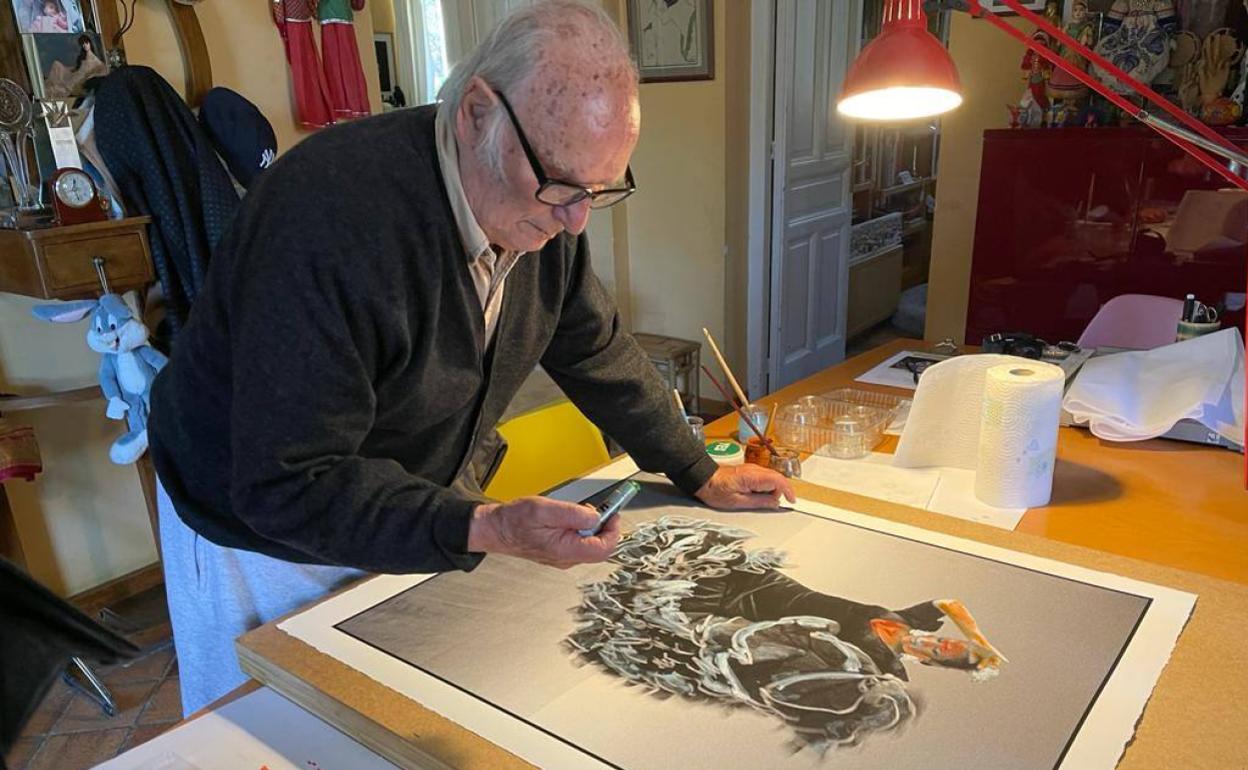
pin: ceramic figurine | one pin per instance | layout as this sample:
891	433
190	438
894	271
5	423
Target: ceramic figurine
1062	85
1218	54
1136	38
1035	101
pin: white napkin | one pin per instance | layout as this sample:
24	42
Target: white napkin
1141	395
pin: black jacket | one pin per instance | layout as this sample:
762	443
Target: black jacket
332	382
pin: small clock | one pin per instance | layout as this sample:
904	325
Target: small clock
75	198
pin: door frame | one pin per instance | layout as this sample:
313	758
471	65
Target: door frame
758	229
759	363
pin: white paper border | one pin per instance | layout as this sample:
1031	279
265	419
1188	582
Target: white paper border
1106	729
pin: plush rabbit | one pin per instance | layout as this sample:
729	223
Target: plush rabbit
128	367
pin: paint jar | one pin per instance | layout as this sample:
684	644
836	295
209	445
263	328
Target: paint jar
698	427
756	453
787	461
726	452
757	415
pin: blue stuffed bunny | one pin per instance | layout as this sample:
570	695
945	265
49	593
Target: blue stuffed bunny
127	369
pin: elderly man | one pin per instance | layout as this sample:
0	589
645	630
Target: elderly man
384	291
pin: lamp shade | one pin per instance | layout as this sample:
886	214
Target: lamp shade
904	73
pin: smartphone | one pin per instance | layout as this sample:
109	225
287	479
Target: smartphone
614	502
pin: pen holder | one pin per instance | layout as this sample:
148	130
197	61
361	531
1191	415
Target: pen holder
758	415
1189	329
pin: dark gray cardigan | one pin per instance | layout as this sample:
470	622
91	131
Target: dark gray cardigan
331	383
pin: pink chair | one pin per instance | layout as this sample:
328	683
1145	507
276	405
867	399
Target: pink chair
1136	321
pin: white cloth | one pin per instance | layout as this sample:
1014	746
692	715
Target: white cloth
1142	394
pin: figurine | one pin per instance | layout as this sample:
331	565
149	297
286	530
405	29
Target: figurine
1062	85
1035	100
1137	40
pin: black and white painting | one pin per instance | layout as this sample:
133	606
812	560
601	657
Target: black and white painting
672	39
812	638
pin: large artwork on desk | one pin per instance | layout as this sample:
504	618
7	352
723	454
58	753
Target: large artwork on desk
815	638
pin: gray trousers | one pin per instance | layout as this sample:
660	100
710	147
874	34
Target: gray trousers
216	594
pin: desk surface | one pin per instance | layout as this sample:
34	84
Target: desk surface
1167	502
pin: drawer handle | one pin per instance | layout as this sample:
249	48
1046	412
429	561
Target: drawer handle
99	272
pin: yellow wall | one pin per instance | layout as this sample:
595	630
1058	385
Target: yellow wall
382	12
83	522
676	218
988	62
246	53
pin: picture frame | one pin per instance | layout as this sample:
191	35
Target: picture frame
60	65
52	16
672	40
387	65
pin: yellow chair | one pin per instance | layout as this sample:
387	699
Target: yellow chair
546	447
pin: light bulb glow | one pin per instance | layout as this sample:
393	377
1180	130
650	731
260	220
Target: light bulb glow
899	103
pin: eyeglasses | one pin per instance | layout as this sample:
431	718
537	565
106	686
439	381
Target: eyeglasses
557	192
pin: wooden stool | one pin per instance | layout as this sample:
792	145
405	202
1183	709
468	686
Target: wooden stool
678	361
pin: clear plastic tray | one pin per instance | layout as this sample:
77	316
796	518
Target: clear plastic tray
847	426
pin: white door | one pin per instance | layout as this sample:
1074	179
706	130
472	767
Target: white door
469	21
811	204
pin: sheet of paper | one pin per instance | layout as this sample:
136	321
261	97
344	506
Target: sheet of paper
899	370
260	730
948	491
871	478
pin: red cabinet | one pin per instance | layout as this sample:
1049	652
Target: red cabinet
1069	218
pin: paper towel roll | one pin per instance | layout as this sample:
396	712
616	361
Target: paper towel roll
1018	434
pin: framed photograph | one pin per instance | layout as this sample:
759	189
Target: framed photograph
387	74
672	39
50	16
60	65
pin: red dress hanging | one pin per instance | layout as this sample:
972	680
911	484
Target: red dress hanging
294	21
348	93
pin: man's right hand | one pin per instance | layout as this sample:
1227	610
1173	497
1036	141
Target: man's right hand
542	530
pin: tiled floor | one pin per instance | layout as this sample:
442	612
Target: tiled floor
69	731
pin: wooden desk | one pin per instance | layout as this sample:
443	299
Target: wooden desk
1167	502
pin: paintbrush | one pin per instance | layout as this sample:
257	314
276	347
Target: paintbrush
771	418
724	391
736	388
680	404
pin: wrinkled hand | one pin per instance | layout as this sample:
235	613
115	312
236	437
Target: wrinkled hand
745	486
116	408
542	530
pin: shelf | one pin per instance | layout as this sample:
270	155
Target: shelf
913	226
907	187
10	403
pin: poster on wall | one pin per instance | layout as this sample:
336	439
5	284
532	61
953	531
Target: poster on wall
816	637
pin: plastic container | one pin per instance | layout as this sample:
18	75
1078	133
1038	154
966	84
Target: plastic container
848	426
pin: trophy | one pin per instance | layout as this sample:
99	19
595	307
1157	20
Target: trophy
16	117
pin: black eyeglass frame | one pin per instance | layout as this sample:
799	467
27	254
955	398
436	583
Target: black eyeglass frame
545	182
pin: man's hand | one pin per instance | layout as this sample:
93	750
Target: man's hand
542	530
745	486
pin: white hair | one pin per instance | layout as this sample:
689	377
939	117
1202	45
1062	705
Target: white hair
508	57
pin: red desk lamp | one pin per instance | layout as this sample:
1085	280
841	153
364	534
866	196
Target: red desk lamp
905	73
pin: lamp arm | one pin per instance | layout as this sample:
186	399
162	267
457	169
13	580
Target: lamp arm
1118	100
